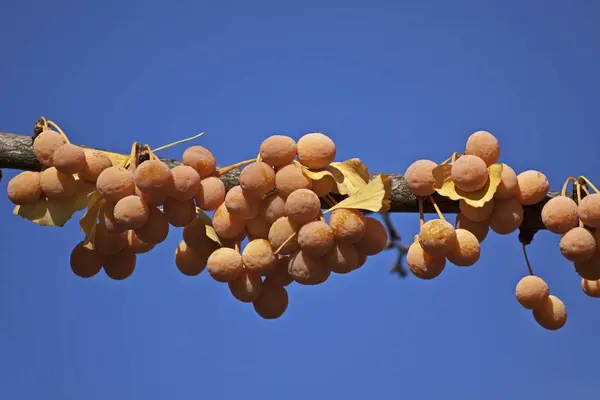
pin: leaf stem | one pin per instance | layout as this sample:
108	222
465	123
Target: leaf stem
437	209
224	170
527	260
564	188
589	183
178	142
284	243
53	124
421	213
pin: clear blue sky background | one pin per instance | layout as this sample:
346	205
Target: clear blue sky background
390	82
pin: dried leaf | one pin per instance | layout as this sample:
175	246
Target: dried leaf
210	231
445	187
350	175
372	197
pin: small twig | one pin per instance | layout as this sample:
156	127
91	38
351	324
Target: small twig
394	243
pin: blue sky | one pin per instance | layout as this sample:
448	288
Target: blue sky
390	82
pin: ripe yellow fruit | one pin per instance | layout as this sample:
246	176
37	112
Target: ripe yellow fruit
95	163
211	193
348	225
316	238
532	292
153	198
552	315
477	214
279	275
589	269
278	150
324	186
247	287
419	177
258	228
194	235
589	210
225	224
107	219
69	159
186	183
479	229
120	265
191	261
241	205
258	257
437	237
179	213
272	208
108	243
559	214
532	187
422	264
272	303
375	238
316	150
257	179
201	159
302	206
136	244
507	216
225	264
466	250
342	258
45	144
24	188
485	146
114	183
131	212
290	178
308	270
578	245
154	176
156	229
85	263
591	288
469	173
508	184
56	185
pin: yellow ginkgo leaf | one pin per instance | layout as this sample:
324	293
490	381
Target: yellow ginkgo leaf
445	186
210	231
372	197
349	176
56	212
115	158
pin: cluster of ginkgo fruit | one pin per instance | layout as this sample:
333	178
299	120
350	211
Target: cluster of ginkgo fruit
490	195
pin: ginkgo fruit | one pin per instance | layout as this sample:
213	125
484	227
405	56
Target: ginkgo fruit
342	258
422	264
279	274
324	186
191	261
95	163
362	259
419	177
56	185
308	270
485	146
589	269
577	245
559	214
278	150
247	287
508	185
272	302
136	244
272	208
120	265
240	205
131	212
589	210
108	243
153	198
186	182
291	178
24	188
201	159
45	144
375	239
114	183
469	173
532	187
257	179
211	193
348	225
437	237
316	150
532	292
196	236
85	263
107	219
302	206
179	213
156	229
552	315
69	159
258	228
154	176
476	214
466	250
316	238
479	229
225	224
225	264
591	288
507	216
258	256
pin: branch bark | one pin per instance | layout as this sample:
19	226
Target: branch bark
16	153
